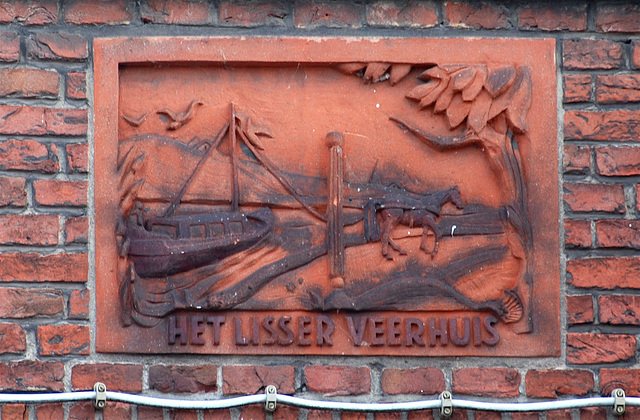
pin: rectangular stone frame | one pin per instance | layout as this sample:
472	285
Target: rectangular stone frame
538	54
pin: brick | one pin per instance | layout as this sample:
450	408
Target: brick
604	273
475	15
491	382
336	14
76	85
29	83
53	411
82	411
192	379
55	192
59	46
587	348
116	410
79	304
525	416
97	12
286	412
15	412
618	161
420	415
117	377
35	267
577	233
27	303
319	415
618	233
33	12
593	413
76	230
156	413
29	375
627	379
78	157
12	192
251	379
185	415
13	339
175	12
576	159
579	309
619	309
617	88
618	18
212	415
28	155
426	380
630	413
253	412
554	17
602	126
591	54
412	14
63	339
39	121
559	415
581	197
388	416
635	56
9	47
577	88
253	13
39	229
338	380
487	415
553	383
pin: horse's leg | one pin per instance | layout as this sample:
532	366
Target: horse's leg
429	222
390	219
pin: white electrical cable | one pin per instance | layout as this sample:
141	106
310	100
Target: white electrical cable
314	404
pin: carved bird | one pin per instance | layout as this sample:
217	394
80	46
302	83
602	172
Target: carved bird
177	120
135	122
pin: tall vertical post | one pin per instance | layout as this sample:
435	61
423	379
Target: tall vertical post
335	226
234	160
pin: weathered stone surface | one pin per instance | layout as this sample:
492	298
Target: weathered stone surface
76	85
117	377
426	381
602	126
29	83
40	12
58	46
338	14
78	157
27	303
476	15
412	14
95	12
606	273
553	383
617	88
338	380
554	17
577	88
181	12
35	267
618	18
13	339
591	54
579	309
588	348
79	304
619	309
577	159
9	47
76	230
491	382
36	229
39	121
618	161
55	192
176	379
31	376
251	379
581	197
618	233
254	13
28	155
63	339
577	233
12	192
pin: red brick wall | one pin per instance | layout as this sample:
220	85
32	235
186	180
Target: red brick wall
46	330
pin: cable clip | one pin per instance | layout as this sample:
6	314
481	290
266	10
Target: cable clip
618	401
270	403
446	409
101	395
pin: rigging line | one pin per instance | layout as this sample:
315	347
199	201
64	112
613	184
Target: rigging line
282	180
176	201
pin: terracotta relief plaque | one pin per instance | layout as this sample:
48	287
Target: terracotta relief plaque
330	196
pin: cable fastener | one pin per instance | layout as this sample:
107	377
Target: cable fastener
101	395
270	403
446	409
619	404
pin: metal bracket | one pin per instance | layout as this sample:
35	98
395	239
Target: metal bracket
446	409
270	403
101	395
618	401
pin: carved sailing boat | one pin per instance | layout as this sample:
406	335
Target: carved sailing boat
171	244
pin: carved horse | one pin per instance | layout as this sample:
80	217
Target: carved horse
410	210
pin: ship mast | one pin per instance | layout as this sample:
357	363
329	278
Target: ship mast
234	159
